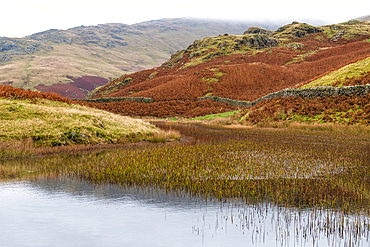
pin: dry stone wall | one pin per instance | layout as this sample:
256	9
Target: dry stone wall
317	92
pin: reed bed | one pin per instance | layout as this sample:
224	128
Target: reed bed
325	176
280	169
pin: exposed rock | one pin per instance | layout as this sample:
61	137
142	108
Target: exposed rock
8	46
338	35
15	47
120	99
4	59
6	83
294	45
296	30
256	30
259	41
116	37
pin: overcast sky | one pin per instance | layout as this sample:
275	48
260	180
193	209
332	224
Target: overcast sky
19	18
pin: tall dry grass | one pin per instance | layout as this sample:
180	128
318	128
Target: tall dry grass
11	149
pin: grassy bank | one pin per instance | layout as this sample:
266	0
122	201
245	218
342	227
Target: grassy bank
28	124
304	124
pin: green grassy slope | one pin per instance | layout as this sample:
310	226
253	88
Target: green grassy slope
51	123
352	70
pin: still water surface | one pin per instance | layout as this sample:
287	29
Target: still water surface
70	212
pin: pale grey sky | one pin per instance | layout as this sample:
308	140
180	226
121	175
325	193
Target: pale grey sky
24	17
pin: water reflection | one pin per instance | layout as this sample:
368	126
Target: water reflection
71	212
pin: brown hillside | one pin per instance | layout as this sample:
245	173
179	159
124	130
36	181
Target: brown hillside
187	108
245	76
342	109
10	92
161	109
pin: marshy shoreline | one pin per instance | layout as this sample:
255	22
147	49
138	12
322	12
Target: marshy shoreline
176	132
320	172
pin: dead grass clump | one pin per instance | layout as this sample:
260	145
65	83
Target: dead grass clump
222	121
25	147
164	136
273	124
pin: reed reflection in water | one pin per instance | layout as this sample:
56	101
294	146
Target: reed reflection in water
71	212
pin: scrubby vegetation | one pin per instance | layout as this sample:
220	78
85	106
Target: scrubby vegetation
244	77
341	109
228	68
345	76
9	92
161	109
362	79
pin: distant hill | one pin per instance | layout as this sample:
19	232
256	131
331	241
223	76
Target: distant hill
74	61
363	18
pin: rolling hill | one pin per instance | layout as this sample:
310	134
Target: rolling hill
240	67
246	67
74	61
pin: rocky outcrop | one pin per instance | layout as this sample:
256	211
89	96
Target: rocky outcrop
259	41
211	48
84	36
256	30
14	47
296	30
53	35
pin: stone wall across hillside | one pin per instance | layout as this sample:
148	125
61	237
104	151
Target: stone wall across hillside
119	99
310	93
317	92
